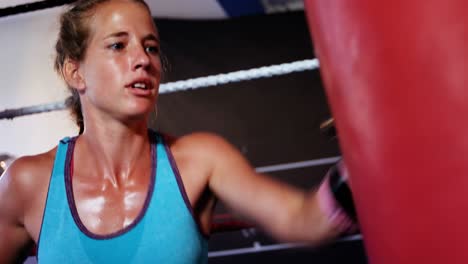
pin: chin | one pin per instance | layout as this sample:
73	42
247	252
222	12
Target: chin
135	114
140	114
140	110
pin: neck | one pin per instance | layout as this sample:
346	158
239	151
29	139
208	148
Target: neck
115	150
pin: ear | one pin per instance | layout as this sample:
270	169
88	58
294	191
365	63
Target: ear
72	75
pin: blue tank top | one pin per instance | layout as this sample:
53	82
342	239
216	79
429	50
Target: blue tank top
164	232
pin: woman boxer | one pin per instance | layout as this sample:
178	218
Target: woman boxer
121	193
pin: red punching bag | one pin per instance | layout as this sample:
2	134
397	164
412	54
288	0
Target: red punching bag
395	74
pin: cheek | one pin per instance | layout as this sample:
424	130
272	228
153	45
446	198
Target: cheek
114	71
106	74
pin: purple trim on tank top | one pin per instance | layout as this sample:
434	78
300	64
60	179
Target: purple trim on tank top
71	199
182	188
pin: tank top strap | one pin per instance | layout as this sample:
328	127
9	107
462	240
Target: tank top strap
56	193
170	181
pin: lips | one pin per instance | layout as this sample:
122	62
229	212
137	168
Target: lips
141	84
141	87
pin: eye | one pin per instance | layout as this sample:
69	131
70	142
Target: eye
116	46
152	49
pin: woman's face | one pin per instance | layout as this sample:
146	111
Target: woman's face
121	70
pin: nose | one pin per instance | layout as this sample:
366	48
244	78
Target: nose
140	59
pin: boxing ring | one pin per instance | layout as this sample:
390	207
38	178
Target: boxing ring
395	79
251	243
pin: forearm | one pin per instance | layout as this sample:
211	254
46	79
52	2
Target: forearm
309	224
326	212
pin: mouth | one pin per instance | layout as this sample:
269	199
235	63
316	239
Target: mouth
143	84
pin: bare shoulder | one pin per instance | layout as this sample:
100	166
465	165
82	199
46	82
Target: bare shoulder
25	178
27	171
202	143
207	153
212	152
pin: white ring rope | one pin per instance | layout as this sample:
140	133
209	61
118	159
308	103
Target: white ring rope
238	76
190	84
30	110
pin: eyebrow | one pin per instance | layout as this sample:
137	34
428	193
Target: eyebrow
116	35
150	36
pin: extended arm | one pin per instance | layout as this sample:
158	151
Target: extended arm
289	214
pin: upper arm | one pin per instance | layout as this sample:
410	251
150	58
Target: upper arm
14	239
266	201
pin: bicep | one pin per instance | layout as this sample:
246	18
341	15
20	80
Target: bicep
262	199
